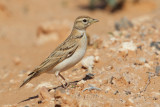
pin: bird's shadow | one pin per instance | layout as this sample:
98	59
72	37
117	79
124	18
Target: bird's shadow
87	77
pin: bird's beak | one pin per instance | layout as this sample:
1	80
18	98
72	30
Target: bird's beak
93	21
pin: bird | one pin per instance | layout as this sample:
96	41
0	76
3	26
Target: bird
67	54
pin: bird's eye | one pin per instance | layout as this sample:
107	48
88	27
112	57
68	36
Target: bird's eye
84	20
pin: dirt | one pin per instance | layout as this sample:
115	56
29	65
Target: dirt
30	30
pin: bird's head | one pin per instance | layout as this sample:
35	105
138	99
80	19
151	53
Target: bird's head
82	22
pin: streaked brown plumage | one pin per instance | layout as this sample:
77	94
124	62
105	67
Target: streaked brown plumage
64	56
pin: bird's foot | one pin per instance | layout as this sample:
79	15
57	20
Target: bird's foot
66	85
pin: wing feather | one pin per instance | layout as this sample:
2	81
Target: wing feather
63	51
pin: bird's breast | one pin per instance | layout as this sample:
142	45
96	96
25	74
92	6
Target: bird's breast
75	58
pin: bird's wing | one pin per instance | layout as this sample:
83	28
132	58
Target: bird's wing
63	51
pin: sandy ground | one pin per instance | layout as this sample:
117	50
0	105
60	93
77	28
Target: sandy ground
31	29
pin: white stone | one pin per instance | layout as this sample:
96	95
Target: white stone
81	82
20	75
96	58
12	81
147	65
107	89
88	62
29	85
45	84
17	60
142	59
131	100
128	46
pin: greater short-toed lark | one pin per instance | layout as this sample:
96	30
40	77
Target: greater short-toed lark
67	54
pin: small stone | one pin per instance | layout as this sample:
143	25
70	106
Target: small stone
97	59
52	91
124	23
131	78
44	94
26	106
16	60
147	65
156	93
116	92
155	44
88	63
128	103
20	75
155	98
127	92
12	81
81	82
107	89
157	71
91	87
128	46
46	84
142	60
131	100
29	85
88	76
105	44
113	39
109	68
64	100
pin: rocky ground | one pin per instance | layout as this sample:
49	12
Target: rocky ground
123	55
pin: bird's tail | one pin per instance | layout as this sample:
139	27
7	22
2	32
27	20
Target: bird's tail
30	76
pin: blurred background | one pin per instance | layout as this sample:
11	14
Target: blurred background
31	29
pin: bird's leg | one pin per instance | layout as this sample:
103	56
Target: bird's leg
58	77
66	83
57	73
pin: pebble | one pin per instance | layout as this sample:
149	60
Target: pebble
147	65
107	89
109	68
91	87
131	100
131	78
127	92
81	82
96	59
155	44
156	93
46	84
124	23
88	62
157	71
20	75
12	81
66	100
29	85
17	60
113	39
44	94
116	92
128	46
142	59
52	91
